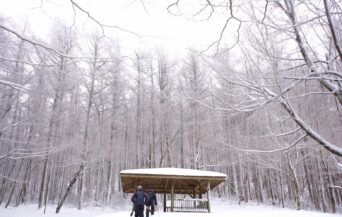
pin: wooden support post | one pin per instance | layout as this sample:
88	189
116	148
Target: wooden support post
194	196
208	196
164	200
172	196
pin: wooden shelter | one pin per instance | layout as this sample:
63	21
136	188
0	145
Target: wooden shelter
172	181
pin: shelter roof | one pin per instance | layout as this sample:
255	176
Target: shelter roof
185	181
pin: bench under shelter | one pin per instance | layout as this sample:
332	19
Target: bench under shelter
191	185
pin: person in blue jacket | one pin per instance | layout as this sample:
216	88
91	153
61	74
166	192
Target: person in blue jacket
139	199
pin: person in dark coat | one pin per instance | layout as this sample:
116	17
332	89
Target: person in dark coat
139	199
152	201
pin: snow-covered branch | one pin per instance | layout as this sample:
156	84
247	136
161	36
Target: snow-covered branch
14	85
313	134
268	151
335	186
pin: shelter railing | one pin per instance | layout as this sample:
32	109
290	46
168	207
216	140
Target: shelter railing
189	205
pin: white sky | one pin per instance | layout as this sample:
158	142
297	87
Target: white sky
173	33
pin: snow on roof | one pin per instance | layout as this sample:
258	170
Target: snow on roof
173	172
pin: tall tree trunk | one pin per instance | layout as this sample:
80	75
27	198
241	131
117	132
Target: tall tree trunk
71	183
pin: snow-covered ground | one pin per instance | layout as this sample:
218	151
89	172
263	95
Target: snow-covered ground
220	208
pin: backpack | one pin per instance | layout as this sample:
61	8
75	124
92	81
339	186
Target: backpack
140	197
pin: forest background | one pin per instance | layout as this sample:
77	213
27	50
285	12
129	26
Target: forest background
260	102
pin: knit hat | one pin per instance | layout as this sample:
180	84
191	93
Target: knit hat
139	187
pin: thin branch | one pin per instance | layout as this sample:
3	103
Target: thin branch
12	125
265	12
308	94
144	6
13	180
14	85
7	154
339	165
268	151
99	23
212	10
332	29
311	78
172	5
218	41
25	62
34	43
288	133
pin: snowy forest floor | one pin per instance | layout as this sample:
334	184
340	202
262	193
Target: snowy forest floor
220	208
